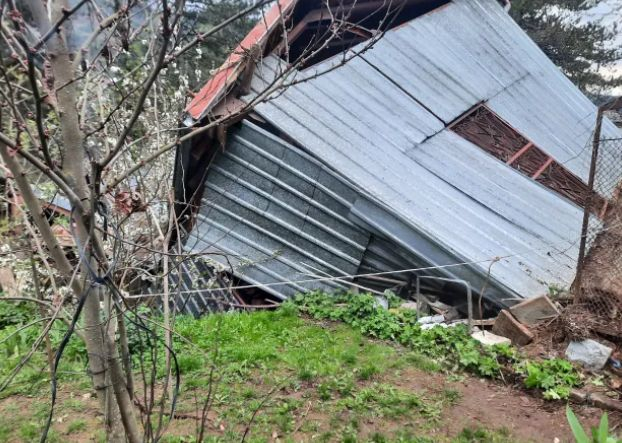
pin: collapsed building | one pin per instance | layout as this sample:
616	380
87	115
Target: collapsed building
408	145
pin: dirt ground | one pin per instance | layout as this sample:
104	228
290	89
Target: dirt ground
481	404
492	406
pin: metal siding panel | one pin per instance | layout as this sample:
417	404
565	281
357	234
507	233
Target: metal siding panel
276	215
382	107
498	187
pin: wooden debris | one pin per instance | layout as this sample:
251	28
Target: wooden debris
534	310
485	322
598	400
447	311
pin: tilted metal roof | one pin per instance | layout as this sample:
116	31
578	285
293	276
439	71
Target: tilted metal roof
380	121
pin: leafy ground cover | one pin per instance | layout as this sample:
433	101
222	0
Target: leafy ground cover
452	348
320	369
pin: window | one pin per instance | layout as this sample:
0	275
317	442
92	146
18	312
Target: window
484	128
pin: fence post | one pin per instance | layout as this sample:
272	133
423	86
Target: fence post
588	204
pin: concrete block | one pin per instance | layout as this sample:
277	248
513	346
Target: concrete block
534	310
507	326
431	319
489	339
409	305
589	353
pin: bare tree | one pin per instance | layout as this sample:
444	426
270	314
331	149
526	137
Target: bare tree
91	98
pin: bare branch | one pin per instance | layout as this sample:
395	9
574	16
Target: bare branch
66	14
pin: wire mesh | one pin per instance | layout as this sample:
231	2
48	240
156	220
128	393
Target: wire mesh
598	291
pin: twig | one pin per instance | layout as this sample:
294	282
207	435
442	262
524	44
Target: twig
256	411
67	13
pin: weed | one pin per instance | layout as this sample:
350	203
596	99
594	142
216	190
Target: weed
78	425
407	437
5	431
556	377
388	401
480	435
16	313
249	393
324	391
456	377
349	357
368	371
349	435
450	396
378	438
555	291
422	362
599	435
443	347
190	362
29	431
100	436
73	404
306	373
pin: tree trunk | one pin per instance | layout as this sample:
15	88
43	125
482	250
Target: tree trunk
92	330
100	347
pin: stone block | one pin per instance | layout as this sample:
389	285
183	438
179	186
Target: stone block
589	353
489	339
507	326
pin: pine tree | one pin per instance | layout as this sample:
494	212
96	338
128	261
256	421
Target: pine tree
581	49
203	15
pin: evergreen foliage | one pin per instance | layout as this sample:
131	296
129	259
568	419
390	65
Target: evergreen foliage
580	48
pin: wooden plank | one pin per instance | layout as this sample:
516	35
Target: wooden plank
520	152
542	168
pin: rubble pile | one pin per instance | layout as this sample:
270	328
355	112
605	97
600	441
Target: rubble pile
520	324
534	322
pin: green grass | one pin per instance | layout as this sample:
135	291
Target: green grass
332	367
311	380
279	341
15	342
78	425
451	348
480	435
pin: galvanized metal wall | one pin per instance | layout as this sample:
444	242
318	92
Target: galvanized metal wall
274	215
197	291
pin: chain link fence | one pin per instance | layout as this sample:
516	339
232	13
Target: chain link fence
597	306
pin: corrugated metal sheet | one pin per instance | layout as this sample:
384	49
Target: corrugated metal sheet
188	294
380	121
273	214
472	51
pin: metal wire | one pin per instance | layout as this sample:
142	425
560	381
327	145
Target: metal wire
598	290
